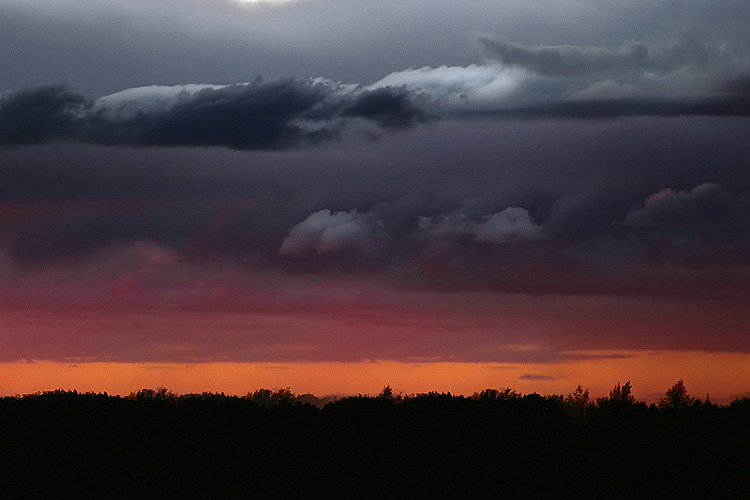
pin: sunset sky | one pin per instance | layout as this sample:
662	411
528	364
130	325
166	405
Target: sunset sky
336	195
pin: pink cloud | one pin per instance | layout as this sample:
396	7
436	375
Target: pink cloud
183	314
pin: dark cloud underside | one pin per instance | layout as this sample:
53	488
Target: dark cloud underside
726	106
276	115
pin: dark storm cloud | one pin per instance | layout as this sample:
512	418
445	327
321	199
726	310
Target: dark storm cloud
275	115
40	115
388	107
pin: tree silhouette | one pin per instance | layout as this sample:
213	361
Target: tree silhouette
386	393
579	398
160	394
269	444
676	397
619	395
496	395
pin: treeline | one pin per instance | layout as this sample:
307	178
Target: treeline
154	444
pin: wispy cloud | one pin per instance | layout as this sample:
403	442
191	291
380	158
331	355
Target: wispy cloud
684	73
535	376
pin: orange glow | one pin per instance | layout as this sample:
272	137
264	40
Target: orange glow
723	375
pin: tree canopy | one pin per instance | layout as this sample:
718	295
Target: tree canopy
275	444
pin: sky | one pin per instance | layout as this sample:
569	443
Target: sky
336	195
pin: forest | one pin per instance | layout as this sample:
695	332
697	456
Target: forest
155	444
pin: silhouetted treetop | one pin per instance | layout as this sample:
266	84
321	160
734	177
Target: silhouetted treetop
620	394
676	397
579	397
273	444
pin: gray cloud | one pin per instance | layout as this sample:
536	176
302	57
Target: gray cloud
332	233
569	61
738	86
705	204
688	50
500	92
687	73
512	225
597	109
275	115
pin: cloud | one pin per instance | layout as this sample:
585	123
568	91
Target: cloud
676	74
602	108
588	211
40	115
390	107
704	204
61	231
329	233
532	376
457	86
686	74
257	115
568	61
738	86
512	225
665	55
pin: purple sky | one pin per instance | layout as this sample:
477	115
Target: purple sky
348	180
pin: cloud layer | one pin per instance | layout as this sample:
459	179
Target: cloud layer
256	115
681	75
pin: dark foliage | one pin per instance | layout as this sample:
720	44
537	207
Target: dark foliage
494	444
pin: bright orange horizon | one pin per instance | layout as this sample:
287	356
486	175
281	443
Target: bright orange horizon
724	376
